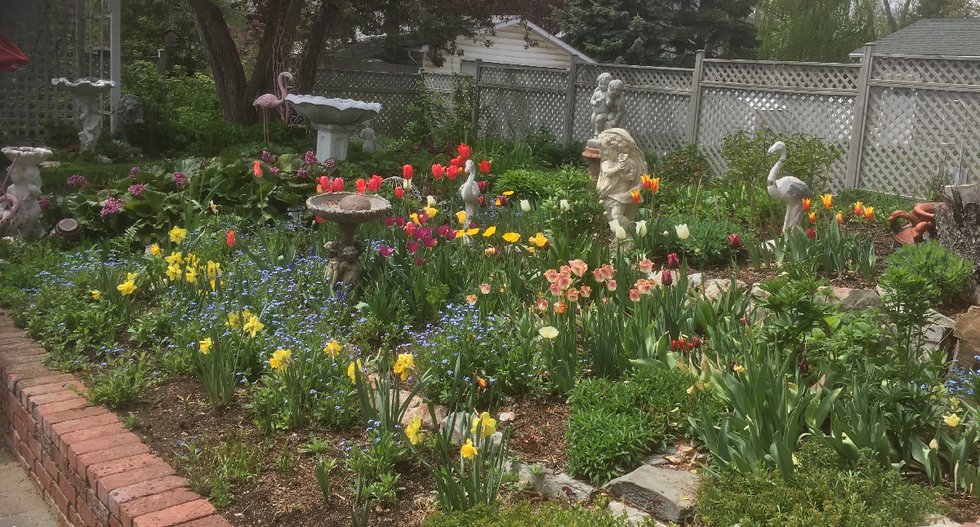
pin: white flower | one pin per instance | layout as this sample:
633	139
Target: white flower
641	228
614	226
548	332
564	206
934	444
683	232
430	201
525	205
407	184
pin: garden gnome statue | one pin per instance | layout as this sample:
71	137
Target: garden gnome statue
367	135
20	212
620	175
615	105
599	102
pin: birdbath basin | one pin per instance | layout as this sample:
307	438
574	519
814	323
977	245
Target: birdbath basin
347	210
88	114
334	120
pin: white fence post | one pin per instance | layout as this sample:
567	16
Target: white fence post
570	100
853	174
694	108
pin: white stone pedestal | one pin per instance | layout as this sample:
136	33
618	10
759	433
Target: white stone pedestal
331	141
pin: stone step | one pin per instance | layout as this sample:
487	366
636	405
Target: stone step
665	494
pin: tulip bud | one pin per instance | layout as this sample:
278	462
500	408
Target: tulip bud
407	184
641	228
438	171
525	205
620	233
430	200
399	192
464	150
666	278
485	167
673	260
408	172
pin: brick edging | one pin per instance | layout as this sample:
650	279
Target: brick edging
90	469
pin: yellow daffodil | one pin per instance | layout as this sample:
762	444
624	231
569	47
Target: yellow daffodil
214	269
548	332
490	231
213	283
351	370
154	250
252	326
468	451
488	425
95	294
173	272
511	237
430	212
461	217
177	235
205	345
473	232
508	193
739	368
952	420
415	218
414	431
402	366
234	320
191	275
175	258
332	348
127	288
539	240
279	360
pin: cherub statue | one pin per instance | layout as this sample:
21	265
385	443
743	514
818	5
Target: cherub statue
599	102
333	251
368	136
616	105
348	270
620	175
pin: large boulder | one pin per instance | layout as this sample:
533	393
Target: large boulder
665	494
966	329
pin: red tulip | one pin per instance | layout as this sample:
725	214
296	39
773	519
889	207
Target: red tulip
734	241
325	184
438	171
399	192
484	167
420	262
361	185
409	228
673	260
408	172
257	168
338	184
452	172
483	200
464	150
666	278
230	238
810	233
457	162
318	219
482	185
374	184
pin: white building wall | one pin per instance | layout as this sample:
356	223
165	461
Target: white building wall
509	47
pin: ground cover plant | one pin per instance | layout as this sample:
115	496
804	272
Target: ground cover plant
202	308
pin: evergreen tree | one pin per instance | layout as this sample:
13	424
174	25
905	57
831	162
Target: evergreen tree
814	30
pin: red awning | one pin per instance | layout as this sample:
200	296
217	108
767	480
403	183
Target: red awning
11	57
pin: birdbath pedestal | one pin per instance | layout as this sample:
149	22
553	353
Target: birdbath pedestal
20	212
334	119
88	111
347	210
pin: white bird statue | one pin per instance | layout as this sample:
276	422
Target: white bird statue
470	192
789	190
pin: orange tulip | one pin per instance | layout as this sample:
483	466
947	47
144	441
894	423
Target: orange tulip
806	204
812	217
257	168
840	218
869	213
858	208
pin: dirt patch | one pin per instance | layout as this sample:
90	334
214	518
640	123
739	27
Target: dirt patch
539	431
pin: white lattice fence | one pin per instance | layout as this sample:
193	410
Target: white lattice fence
520	100
793	76
395	91
922	126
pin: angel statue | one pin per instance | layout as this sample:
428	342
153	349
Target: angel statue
621	171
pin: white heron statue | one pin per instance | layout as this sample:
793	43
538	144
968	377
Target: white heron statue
788	189
470	192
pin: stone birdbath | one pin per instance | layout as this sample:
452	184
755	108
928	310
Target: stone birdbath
20	212
334	119
88	111
347	210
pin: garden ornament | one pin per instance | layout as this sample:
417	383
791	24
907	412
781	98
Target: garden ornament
269	101
621	170
470	192
788	189
368	137
20	212
334	119
347	210
599	102
616	105
88	110
922	223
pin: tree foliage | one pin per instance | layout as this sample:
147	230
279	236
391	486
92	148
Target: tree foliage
658	31
814	30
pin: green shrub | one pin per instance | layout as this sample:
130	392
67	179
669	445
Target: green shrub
529	184
707	244
824	493
944	271
121	381
613	425
684	165
522	515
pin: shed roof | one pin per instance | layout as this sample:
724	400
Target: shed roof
958	37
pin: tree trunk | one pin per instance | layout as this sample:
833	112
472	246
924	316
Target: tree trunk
280	26
311	52
392	29
226	65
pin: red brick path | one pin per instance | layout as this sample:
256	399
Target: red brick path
86	463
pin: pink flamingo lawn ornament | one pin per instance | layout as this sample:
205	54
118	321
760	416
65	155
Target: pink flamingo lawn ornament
269	101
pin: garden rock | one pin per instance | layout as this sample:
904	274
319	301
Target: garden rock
759	292
934	520
633	516
938	334
667	495
555	486
967	333
971	293
715	287
461	424
856	299
418	408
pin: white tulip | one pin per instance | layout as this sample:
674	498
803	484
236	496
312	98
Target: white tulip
407	184
548	332
430	200
614	225
620	233
641	228
525	205
564	206
683	232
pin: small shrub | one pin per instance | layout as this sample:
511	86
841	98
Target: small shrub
522	515
121	381
684	165
707	244
824	493
218	469
944	271
527	184
614	424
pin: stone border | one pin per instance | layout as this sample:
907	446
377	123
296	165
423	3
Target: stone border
90	469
